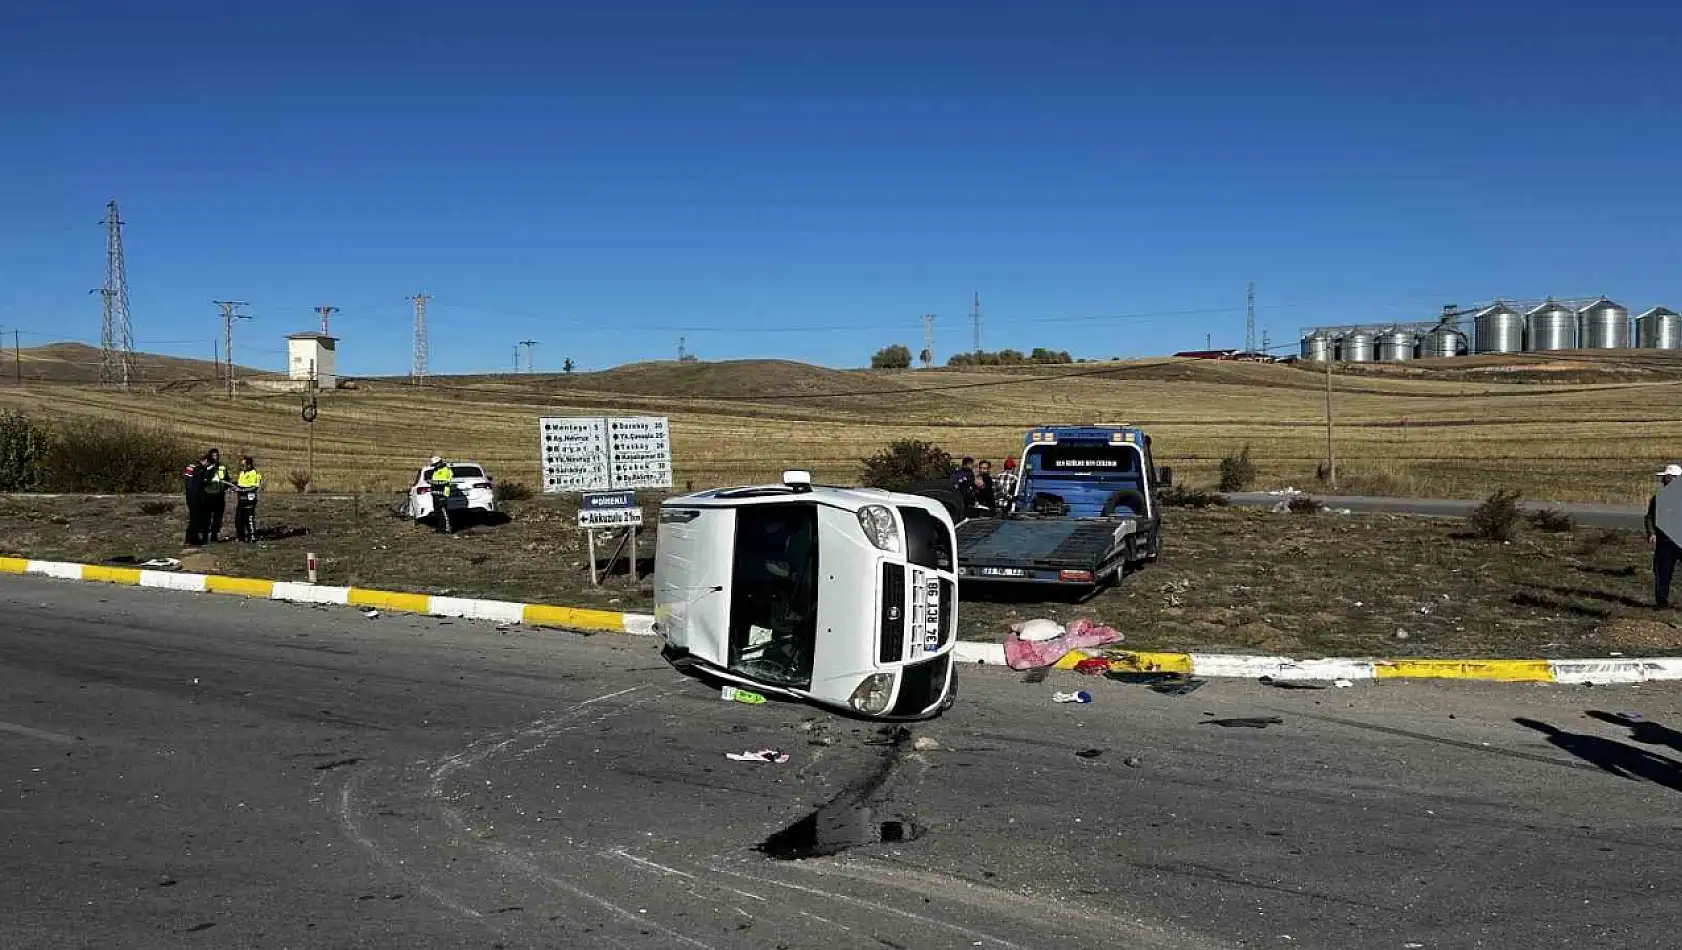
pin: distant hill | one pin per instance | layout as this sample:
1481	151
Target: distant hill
78	363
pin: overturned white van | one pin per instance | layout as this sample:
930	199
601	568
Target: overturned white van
843	596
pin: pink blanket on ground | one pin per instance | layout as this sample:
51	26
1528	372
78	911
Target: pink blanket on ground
1023	654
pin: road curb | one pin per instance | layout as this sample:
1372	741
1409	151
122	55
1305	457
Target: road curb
499	611
1608	671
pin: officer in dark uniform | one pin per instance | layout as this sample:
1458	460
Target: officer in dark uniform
193	479
216	482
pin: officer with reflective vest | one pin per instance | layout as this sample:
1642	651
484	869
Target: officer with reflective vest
246	486
216	485
438	478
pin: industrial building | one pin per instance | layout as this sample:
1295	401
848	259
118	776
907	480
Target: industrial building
1499	327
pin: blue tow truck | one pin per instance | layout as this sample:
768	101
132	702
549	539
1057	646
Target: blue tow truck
1086	511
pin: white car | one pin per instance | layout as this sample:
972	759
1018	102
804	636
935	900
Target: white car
471	484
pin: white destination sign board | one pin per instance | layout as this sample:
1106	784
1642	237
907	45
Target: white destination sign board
590	453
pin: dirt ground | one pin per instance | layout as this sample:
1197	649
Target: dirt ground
1228	580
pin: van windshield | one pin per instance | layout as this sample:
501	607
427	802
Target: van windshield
1087	459
774	593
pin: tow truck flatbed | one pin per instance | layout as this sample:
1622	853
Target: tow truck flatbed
1078	552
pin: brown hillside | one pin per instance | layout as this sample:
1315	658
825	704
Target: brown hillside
77	363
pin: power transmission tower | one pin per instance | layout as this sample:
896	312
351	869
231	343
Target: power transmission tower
1249	318
1267	342
682	353
928	340
528	344
975	320
516	357
116	337
229	315
418	373
326	312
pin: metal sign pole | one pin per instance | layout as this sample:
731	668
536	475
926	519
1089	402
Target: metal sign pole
591	534
633	554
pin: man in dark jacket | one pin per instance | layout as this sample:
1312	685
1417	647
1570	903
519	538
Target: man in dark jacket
963	480
1665	551
216	483
193	479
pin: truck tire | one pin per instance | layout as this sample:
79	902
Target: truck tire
1132	499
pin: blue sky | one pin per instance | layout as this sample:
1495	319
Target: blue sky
777	179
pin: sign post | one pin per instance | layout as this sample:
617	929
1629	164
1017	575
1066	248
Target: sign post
605	460
611	509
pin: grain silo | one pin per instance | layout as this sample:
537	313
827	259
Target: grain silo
1659	329
1551	326
1396	345
1603	325
1357	347
1317	347
1444	340
1498	328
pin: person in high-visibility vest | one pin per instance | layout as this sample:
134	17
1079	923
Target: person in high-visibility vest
216	484
440	487
246	486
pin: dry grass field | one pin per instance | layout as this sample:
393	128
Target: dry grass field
1580	426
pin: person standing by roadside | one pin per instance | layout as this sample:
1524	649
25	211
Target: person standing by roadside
193	478
1006	486
441	488
986	495
216	484
963	481
246	486
1665	550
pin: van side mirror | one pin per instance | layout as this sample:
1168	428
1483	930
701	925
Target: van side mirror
1165	477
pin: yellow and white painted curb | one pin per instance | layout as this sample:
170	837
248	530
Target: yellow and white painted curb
1610	670
1600	671
499	611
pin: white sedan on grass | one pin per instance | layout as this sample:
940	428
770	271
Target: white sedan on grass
474	488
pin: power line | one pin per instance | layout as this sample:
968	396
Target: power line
418	371
229	315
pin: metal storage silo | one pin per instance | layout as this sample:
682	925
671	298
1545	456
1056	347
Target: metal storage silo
1357	347
1659	329
1396	345
1551	326
1498	329
1317	346
1603	325
1444	340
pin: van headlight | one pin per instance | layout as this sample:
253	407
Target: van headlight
880	527
874	694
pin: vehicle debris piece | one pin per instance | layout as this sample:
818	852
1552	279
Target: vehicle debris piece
1290	684
371	613
1079	696
1180	687
925	744
1023	654
1132	762
1093	666
1246	722
1089	753
758	755
735	694
1343	684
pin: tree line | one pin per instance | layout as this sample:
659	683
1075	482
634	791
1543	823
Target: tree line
898	356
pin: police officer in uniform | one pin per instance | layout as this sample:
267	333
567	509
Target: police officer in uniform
438	479
246	486
193	487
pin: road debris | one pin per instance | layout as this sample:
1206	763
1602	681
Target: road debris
925	744
734	694
1290	684
1178	687
1021	654
1246	722
1039	631
1132	762
1093	666
1343	684
758	755
371	614
1079	696
1090	753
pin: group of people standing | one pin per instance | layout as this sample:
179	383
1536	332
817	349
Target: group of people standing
207	483
986	494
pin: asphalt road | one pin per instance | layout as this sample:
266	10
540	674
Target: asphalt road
1613	517
184	771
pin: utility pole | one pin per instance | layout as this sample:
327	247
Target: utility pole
1267	342
326	312
1249	318
1208	341
928	340
17	355
975	320
516	358
230	313
116	337
528	344
1331	440
418	372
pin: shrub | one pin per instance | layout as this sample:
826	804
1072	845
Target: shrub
1551	519
897	356
512	491
1179	496
905	463
300	480
1303	505
1238	472
1497	518
88	455
24	444
155	508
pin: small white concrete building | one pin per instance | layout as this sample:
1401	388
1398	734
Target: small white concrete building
310	355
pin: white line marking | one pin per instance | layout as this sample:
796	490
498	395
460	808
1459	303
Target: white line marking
41	734
353	829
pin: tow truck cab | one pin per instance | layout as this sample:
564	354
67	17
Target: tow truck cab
845	597
1088	472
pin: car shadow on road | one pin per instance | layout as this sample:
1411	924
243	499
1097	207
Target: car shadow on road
1640	730
1610	755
